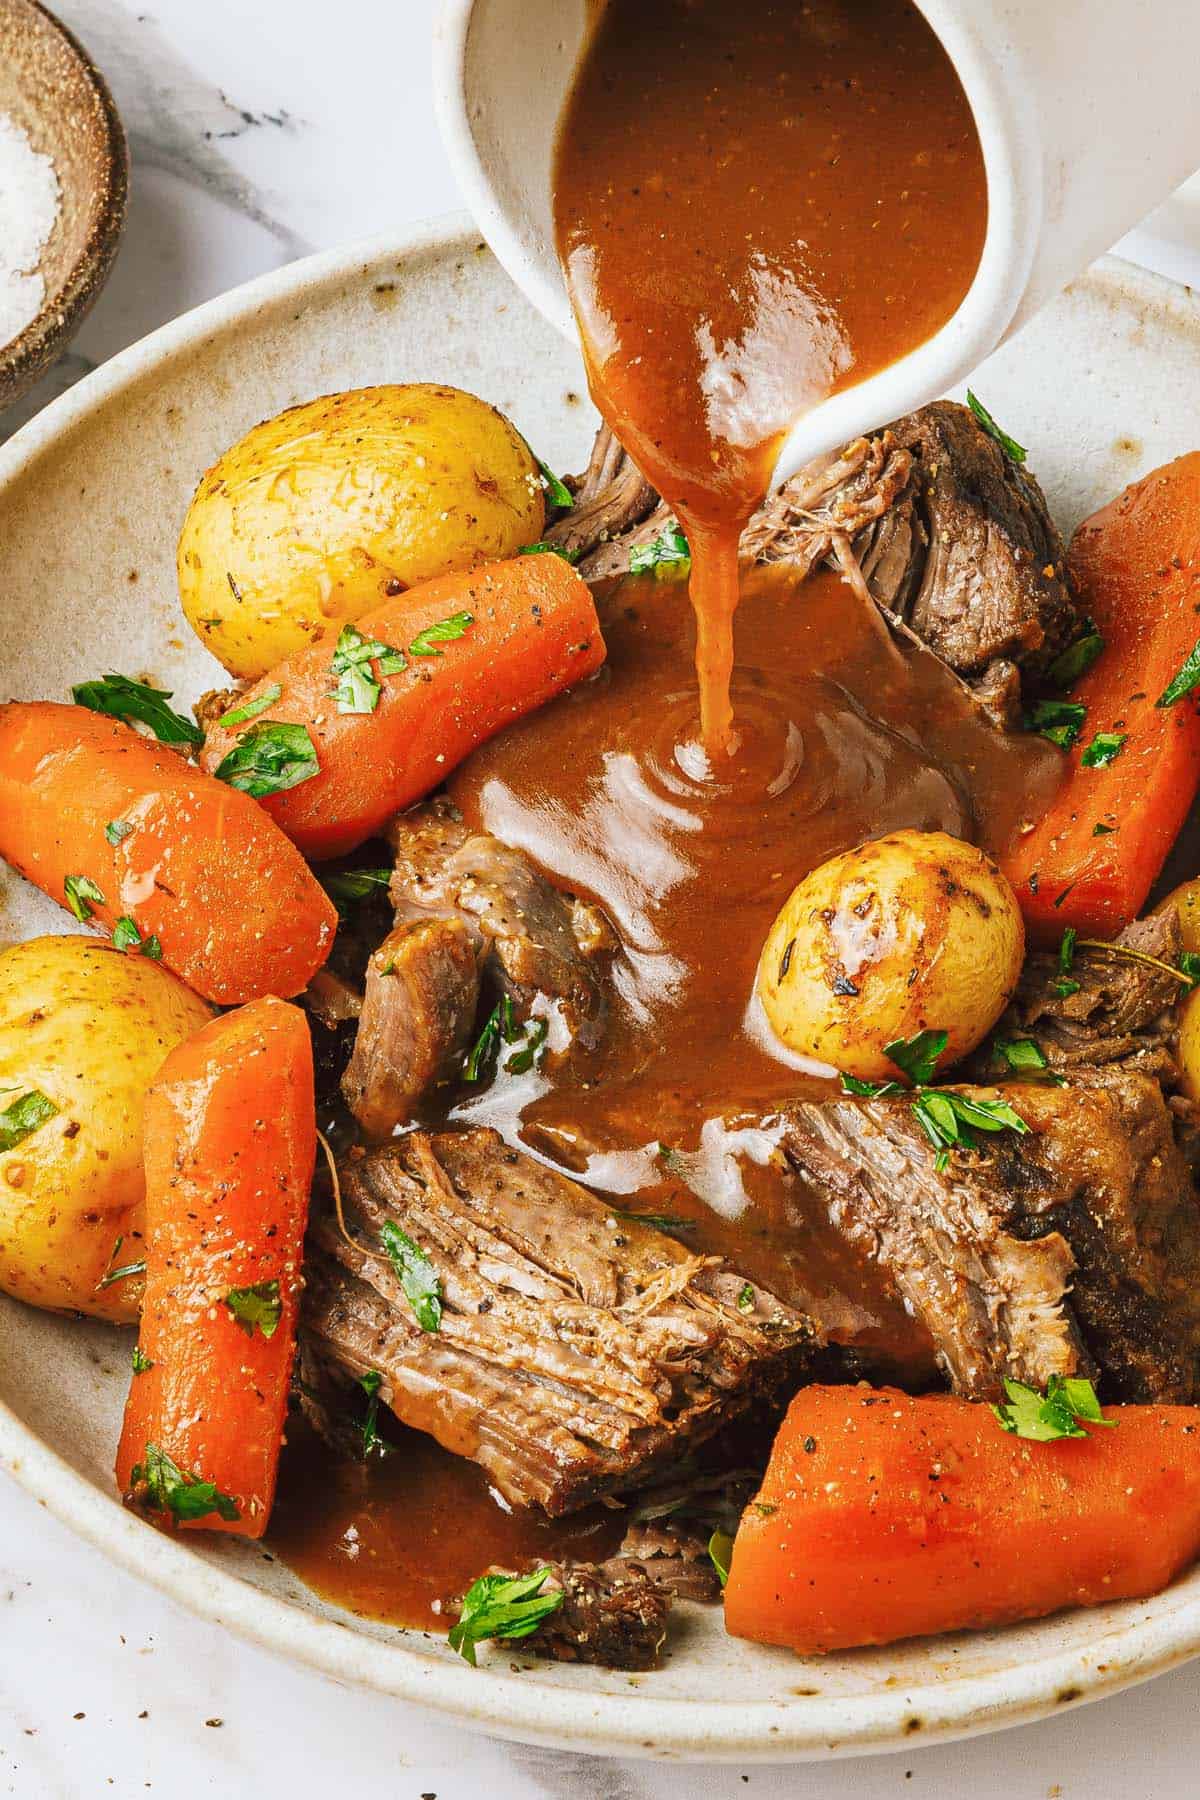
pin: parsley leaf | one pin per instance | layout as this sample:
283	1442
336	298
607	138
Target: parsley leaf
917	1056
500	1023
250	709
528	1053
120	698
23	1117
1189	964
117	830
1077	658
169	1489
1058	721
141	1362
720	1553
1015	452
126	936
950	1120
269	758
1066	950
1025	1057
1055	1414
445	631
1183	682
1104	748
655	1221
257	1305
870	1090
745	1299
354	884
502	1606
358	686
558	494
370	1383
81	890
542	548
416	1275
669	553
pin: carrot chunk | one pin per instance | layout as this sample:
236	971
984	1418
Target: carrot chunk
131	836
478	651
230	1142
883	1517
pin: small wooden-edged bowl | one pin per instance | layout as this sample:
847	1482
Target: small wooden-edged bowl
52	90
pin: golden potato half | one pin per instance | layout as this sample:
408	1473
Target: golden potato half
84	1029
320	514
904	933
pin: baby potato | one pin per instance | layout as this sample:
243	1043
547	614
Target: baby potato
1185	901
913	931
84	1029
320	514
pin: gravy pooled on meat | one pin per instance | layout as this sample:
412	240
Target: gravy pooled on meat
756	204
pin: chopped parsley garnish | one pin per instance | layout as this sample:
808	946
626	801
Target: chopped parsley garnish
1064	987
370	1383
559	497
445	631
1055	1414
1066	950
126	936
1103	830
669	553
502	1606
655	1221
170	1490
917	1056
1058	721
1015	452
121	698
269	758
1023	1055
416	1275
257	1305
1077	658
1104	748
250	709
354	884
1184	682
141	1362
870	1090
745	1299
500	1024
23	1117
1189	965
117	830
542	548
720	1554
950	1120
358	686
528	1053
81	892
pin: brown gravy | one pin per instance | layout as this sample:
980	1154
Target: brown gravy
756	204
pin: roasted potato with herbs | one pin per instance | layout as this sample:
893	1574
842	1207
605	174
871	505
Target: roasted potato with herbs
1186	904
320	514
84	1029
912	931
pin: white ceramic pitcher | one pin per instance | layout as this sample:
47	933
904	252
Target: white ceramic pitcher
1088	112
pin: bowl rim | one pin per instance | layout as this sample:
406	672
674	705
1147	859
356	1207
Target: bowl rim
26	356
523	1707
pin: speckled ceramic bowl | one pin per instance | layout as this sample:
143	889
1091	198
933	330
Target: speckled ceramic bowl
92	494
60	100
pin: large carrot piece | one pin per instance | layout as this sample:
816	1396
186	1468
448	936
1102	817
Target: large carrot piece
530	631
230	1140
885	1517
142	835
1092	860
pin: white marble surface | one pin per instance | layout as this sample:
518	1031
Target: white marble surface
262	129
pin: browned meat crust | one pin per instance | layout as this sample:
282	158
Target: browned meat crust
613	1613
416	1021
578	1352
1067	1250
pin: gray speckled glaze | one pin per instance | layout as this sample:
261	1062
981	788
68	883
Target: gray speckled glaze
92	493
